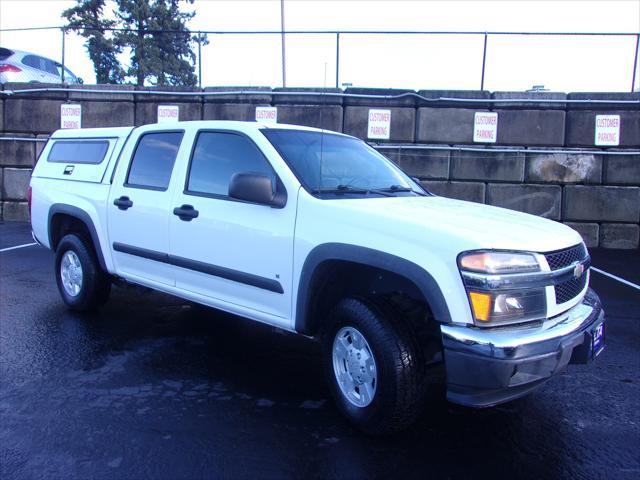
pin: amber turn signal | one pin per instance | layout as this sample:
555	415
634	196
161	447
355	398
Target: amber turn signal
481	303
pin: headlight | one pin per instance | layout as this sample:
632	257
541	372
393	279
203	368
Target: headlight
493	305
498	262
508	307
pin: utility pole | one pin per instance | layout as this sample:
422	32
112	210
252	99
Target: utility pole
63	54
284	62
199	60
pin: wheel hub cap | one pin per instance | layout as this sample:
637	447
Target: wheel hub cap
71	273
354	366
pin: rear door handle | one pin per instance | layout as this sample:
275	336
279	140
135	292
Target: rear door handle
123	203
186	212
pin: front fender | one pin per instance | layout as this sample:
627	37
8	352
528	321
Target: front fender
370	257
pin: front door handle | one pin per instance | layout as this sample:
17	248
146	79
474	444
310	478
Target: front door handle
186	212
123	203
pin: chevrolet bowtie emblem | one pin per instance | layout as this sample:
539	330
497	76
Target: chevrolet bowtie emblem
578	271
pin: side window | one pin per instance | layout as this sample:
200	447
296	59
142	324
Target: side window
218	156
32	61
153	160
69	76
50	66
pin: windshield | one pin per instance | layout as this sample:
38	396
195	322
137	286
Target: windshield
329	163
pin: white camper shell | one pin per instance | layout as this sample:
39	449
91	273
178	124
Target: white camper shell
81	155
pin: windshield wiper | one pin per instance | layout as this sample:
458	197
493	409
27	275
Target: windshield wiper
400	188
355	190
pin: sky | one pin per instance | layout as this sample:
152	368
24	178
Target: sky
513	63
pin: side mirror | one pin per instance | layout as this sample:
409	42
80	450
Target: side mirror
80	80
255	188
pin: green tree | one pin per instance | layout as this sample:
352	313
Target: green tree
135	16
161	45
174	57
153	31
87	19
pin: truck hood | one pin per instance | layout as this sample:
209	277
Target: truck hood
483	226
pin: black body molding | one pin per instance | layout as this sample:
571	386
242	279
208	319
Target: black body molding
207	268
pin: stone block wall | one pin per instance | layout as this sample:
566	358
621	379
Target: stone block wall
596	194
544	161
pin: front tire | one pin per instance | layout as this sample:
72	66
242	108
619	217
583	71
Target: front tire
374	365
82	283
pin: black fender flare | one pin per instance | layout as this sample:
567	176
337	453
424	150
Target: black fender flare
373	258
63	208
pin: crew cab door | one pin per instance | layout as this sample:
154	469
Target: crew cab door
139	206
238	254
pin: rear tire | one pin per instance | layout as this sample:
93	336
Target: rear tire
82	283
383	394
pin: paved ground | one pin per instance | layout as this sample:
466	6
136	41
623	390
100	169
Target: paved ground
153	388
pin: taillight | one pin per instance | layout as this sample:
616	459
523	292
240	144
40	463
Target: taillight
4	67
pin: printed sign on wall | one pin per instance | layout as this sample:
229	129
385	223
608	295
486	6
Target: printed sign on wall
267	114
485	127
168	113
379	124
70	116
607	130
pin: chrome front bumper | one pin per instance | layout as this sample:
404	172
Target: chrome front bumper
486	367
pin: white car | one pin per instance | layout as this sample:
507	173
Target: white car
25	67
317	233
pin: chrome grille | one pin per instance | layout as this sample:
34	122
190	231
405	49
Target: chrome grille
564	258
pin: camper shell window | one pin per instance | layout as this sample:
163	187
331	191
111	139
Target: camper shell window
78	151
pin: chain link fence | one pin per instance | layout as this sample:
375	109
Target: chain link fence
416	60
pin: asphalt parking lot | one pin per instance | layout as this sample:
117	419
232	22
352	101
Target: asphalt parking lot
152	387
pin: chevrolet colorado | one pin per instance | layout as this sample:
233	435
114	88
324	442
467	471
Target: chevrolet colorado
317	233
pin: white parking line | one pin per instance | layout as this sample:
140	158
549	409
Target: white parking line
621	280
17	247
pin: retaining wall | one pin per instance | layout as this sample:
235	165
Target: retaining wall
544	161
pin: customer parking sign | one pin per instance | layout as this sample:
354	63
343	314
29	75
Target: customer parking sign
607	130
485	127
70	116
379	126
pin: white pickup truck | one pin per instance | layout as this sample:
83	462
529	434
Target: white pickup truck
316	233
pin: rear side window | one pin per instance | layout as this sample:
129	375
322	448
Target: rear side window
218	156
153	160
31	61
75	151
